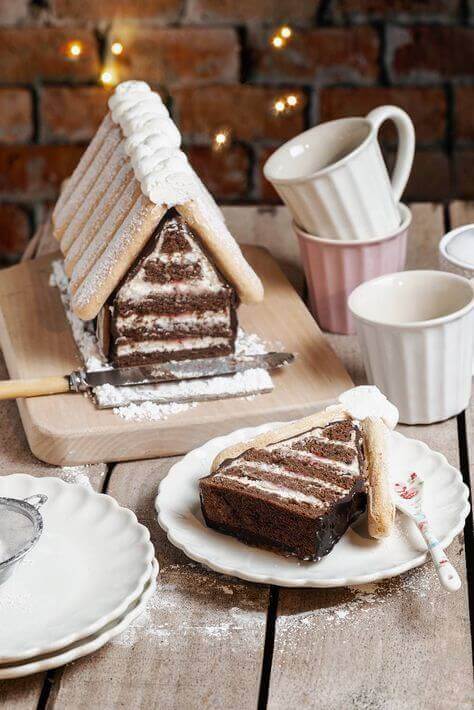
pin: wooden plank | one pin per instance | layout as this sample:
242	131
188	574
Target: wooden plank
67	429
371	646
15	457
200	642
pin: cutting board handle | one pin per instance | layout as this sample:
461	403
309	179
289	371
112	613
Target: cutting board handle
11	389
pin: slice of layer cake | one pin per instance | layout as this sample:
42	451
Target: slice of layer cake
173	304
297	489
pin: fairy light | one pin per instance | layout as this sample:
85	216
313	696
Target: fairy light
277	41
74	49
116	48
221	139
286	32
292	100
278	106
108	77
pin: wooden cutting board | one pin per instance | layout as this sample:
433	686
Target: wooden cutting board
68	430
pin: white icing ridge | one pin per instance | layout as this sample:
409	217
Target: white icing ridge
368	401
153	144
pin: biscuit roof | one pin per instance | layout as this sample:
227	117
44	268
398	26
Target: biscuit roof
132	172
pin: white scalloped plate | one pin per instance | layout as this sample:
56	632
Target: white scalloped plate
91	643
91	562
356	559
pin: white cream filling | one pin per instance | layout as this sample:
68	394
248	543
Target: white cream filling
150	321
139	287
281	471
150	346
279	491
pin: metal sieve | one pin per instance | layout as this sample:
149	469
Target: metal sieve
21	525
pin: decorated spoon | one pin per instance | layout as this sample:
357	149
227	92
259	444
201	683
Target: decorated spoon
408	500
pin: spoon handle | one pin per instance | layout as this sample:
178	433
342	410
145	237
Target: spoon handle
448	576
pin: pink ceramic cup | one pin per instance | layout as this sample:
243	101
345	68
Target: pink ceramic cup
335	268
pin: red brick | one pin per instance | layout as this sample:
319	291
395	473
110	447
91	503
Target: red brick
430	53
268	11
426	106
322	55
180	56
14	231
12	11
246	110
464	174
16	115
430	177
163	10
28	53
264	189
401	10
464	113
224	173
72	114
36	171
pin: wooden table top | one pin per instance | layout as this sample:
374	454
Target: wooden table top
209	641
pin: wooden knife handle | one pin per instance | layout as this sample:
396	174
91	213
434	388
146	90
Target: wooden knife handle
11	389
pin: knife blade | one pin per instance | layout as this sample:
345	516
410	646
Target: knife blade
80	380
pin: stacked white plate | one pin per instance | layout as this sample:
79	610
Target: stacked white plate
90	574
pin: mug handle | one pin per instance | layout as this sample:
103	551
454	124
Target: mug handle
406	143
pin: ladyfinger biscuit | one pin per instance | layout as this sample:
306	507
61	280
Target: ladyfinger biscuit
113	194
380	506
86	182
117	258
206	219
115	218
86	160
288	431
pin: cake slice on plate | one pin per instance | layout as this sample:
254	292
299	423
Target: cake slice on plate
297	489
147	252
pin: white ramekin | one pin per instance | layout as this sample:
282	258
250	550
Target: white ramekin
415	330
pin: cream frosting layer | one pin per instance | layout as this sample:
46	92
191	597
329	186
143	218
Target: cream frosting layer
153	144
151	346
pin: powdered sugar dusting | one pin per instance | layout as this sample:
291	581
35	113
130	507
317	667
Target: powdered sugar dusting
149	411
157	623
76	474
82	331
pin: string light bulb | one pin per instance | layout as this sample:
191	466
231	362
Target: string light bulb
221	139
279	106
74	49
292	100
286	32
116	48
278	42
108	77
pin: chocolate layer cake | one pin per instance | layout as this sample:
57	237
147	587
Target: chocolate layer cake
297	496
173	304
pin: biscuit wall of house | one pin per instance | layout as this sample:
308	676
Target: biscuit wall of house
214	62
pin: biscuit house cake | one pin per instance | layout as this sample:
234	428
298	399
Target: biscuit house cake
297	489
146	248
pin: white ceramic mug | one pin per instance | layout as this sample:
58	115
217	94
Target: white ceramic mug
415	331
334	180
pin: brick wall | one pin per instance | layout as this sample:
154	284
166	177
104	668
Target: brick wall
214	63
